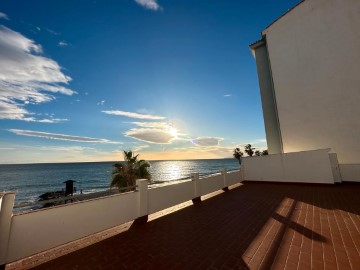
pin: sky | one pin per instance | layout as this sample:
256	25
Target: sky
84	80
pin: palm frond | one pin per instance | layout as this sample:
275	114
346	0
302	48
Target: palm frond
126	173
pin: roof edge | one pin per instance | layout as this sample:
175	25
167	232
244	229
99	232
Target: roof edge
301	1
257	44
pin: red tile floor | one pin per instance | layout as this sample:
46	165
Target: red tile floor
252	226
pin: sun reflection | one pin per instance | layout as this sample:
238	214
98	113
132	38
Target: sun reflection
174	171
170	170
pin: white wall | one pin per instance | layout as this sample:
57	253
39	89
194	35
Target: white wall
233	178
335	167
350	172
211	184
315	62
40	230
167	196
6	206
300	167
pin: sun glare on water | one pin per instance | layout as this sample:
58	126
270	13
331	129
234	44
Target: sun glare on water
170	170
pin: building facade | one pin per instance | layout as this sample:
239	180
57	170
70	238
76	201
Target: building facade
308	64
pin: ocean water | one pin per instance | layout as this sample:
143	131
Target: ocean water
29	181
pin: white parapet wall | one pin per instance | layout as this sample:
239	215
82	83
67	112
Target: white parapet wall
350	172
167	196
211	184
6	207
26	234
232	178
299	167
40	230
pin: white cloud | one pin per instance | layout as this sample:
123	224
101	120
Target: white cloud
52	120
190	153
4	16
101	103
26	77
62	137
134	115
141	147
64	148
63	43
160	132
144	111
156	132
206	141
52	32
163	125
149	4
151	135
227	95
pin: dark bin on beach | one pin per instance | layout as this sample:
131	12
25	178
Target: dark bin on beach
69	189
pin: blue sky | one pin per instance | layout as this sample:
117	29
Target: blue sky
170	79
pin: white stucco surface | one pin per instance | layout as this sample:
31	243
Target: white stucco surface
44	229
6	207
211	184
167	196
299	167
315	60
233	178
350	172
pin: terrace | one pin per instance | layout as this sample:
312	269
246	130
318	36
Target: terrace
253	226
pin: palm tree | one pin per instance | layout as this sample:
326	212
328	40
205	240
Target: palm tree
238	154
249	150
125	174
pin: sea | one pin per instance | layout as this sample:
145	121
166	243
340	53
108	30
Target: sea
29	181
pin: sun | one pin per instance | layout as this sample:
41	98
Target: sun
173	132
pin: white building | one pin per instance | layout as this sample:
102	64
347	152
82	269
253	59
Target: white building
308	64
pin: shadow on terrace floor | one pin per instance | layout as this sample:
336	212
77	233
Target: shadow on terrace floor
254	226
